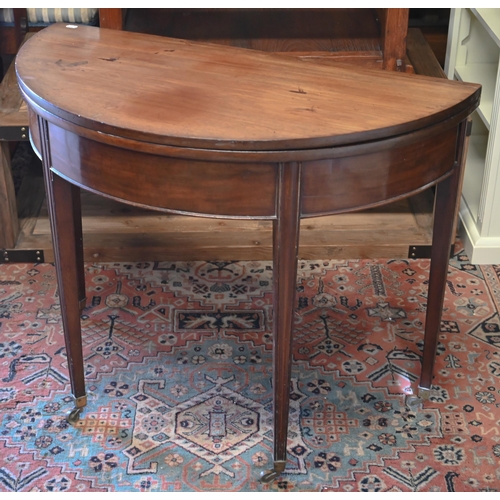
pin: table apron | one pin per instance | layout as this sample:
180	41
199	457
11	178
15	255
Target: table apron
349	183
160	182
250	189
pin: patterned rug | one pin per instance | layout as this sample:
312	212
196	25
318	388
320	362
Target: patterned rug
178	366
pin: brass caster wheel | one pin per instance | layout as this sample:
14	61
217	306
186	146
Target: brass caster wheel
413	402
269	476
73	416
424	394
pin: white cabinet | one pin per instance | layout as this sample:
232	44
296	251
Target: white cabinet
473	55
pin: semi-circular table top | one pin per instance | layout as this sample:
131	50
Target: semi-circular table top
196	95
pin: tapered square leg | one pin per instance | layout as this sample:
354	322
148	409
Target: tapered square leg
285	251
63	200
446	202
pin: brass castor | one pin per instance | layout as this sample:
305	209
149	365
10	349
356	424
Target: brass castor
415	400
269	476
74	415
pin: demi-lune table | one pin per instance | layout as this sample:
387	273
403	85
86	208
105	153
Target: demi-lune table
215	131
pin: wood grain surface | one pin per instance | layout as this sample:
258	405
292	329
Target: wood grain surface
191	94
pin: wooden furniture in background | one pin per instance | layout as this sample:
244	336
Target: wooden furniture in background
111	18
114	232
12	36
373	37
311	140
394	23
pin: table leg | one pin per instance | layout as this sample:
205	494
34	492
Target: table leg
63	200
447	194
285	250
77	221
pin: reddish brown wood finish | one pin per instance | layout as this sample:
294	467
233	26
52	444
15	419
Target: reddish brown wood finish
179	185
62	198
446	205
181	93
8	208
370	37
285	246
393	23
224	132
421	56
354	182
111	18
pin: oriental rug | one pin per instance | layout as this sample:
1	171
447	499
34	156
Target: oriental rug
178	359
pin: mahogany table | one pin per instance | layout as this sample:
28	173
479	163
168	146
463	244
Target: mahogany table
215	131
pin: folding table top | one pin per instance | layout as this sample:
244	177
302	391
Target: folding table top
198	95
